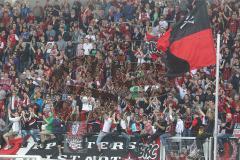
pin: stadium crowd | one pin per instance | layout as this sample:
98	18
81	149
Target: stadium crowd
62	62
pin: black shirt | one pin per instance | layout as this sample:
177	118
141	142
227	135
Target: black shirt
95	126
209	127
33	123
69	51
229	127
25	125
162	123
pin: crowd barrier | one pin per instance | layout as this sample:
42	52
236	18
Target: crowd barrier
181	149
184	148
80	143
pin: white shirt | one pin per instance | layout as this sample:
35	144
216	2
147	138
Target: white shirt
179	126
182	91
16	37
88	103
1	45
123	124
16	124
87	48
156	31
50	48
92	37
107	125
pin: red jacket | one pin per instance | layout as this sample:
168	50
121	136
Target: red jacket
13	40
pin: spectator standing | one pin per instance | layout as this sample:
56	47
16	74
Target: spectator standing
108	120
160	125
47	128
59	131
228	125
121	127
38	11
16	127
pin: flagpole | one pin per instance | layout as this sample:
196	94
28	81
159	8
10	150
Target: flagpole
216	97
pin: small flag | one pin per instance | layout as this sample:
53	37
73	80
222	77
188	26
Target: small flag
151	45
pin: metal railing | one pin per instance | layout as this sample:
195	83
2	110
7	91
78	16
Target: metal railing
179	147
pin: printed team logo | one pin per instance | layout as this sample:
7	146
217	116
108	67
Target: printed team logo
149	152
144	152
75	139
74	144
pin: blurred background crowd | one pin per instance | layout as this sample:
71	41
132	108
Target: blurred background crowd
65	61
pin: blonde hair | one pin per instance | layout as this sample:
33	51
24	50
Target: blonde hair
210	114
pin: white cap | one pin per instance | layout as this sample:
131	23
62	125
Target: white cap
163	24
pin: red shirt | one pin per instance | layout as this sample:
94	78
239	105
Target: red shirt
188	121
12	39
236	117
31	18
180	81
111	32
4	40
25	101
38	57
233	25
122	28
66	113
221	105
48	72
5	19
213	73
227	72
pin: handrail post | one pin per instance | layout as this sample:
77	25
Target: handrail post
162	152
180	144
206	149
210	148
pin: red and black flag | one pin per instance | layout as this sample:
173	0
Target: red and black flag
190	42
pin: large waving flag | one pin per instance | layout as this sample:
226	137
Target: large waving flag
189	45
